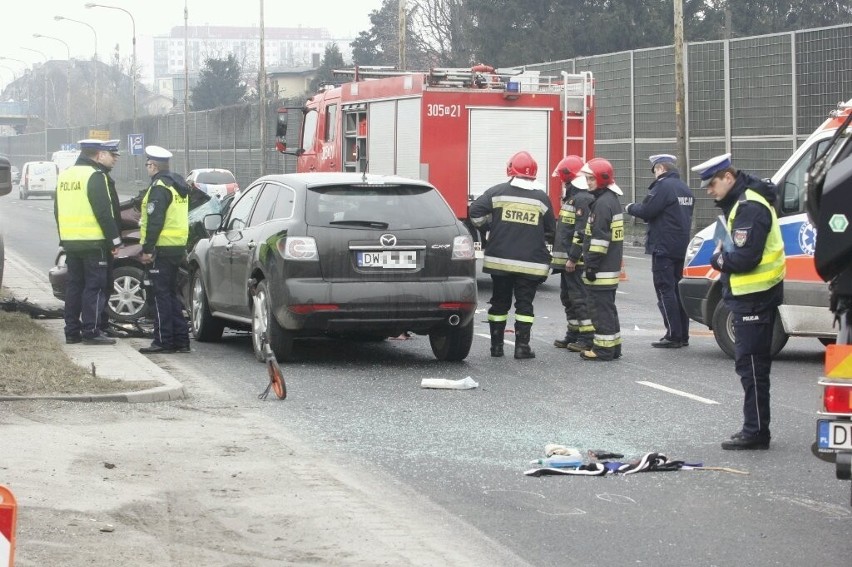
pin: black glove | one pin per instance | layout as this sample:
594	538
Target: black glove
591	275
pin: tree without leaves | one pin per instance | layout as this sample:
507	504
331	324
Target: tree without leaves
219	84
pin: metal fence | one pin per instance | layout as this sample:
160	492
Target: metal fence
756	97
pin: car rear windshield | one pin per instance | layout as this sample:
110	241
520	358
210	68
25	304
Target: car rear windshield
385	207
215	177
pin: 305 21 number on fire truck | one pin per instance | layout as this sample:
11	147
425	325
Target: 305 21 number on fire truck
444	110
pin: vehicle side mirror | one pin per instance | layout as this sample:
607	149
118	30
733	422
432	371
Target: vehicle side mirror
212	222
791	201
5	177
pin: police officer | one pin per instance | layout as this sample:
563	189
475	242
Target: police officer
751	260
602	252
164	233
568	252
520	219
89	233
668	211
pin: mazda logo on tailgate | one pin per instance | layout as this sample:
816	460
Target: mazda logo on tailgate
387	240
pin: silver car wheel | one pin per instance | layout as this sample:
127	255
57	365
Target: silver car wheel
128	296
259	320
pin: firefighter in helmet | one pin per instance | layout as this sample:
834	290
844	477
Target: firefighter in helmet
568	253
520	221
602	252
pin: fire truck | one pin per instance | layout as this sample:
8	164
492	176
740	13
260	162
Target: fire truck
829	206
455	128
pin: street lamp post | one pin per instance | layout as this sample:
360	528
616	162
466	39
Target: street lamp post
132	70
67	76
95	59
186	84
262	89
44	72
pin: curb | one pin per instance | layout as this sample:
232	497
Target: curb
118	362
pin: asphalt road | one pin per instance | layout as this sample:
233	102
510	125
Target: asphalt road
467	450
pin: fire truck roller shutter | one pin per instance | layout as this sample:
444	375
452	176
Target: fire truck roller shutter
408	139
496	135
381	118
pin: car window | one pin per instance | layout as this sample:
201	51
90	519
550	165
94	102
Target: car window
221	177
284	203
309	130
330	122
794	182
398	206
265	205
238	219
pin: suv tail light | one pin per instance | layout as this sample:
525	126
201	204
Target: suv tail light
463	248
837	398
299	248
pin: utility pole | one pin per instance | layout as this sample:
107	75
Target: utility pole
262	87
680	91
186	86
401	35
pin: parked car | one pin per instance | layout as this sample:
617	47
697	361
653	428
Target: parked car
128	302
38	178
213	181
16	175
335	255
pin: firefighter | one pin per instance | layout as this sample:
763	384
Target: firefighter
567	255
602	252
89	233
668	211
520	220
750	257
164	232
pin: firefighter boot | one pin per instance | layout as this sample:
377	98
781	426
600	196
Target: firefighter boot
522	341
498	328
570	337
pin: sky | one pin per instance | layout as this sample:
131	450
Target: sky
343	18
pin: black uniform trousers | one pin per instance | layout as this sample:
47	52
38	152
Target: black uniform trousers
86	292
103	323
753	361
607	340
505	287
667	272
577	302
170	328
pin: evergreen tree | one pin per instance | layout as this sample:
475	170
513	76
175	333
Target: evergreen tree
219	84
332	59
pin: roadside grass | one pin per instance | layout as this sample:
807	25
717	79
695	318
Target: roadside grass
32	363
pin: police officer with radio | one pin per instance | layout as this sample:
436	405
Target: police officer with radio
520	220
668	211
568	255
88	231
751	260
164	233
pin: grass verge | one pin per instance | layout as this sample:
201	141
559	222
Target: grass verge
32	363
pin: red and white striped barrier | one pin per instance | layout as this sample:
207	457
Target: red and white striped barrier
8	516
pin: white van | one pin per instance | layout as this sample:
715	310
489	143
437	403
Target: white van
65	158
804	312
38	178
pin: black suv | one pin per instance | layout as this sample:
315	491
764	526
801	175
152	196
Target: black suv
335	254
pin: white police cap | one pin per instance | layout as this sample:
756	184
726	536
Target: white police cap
157	153
99	145
711	167
661	158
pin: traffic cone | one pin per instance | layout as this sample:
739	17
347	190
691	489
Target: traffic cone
8	517
622	276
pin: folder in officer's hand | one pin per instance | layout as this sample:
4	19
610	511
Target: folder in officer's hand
721	236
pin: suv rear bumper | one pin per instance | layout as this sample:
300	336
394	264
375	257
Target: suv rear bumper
376	307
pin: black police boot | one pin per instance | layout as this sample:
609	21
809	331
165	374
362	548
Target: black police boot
498	328
522	341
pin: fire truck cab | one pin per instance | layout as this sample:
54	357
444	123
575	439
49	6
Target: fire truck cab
455	128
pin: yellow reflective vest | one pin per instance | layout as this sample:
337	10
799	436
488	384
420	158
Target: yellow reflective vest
772	267
75	216
176	226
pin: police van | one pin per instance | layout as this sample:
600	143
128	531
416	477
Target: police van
804	312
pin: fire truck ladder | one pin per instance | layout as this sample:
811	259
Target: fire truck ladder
577	100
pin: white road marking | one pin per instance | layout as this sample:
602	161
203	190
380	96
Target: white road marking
677	392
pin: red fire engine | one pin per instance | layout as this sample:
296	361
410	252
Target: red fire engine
455	128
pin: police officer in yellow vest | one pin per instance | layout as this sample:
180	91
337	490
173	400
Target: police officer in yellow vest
750	255
89	233
164	232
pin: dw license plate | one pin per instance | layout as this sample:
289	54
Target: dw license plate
388	259
834	434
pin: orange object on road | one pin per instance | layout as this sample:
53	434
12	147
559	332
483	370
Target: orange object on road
8	518
622	277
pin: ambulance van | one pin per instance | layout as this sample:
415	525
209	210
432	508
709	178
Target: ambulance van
805	311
